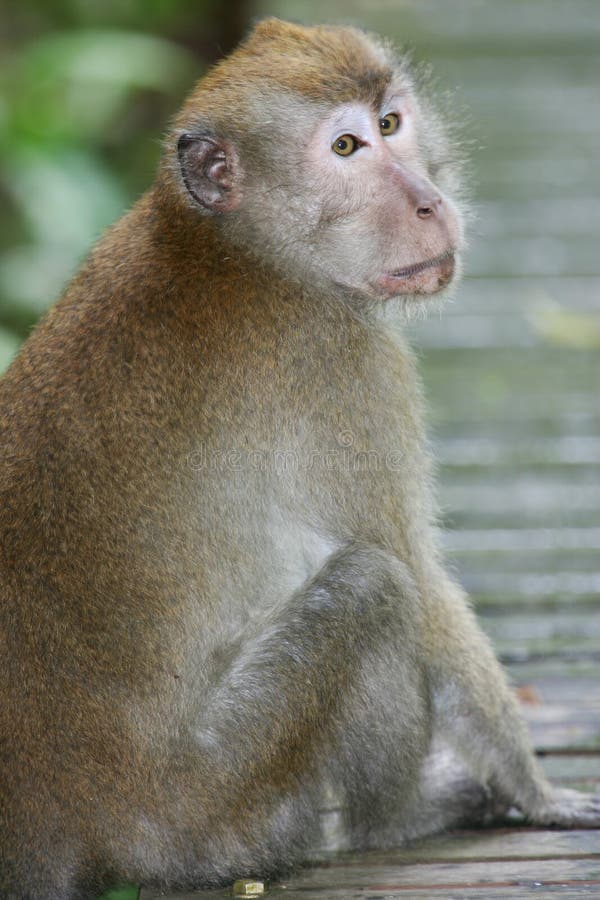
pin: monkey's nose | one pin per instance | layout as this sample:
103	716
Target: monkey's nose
429	206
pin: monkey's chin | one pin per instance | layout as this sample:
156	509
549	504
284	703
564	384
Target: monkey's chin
426	277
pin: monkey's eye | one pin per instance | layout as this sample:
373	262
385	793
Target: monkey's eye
345	145
389	124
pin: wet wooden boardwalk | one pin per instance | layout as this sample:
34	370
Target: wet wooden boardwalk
512	369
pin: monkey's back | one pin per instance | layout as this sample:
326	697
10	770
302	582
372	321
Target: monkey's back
172	468
142	411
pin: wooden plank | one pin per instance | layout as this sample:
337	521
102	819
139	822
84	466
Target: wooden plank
498	297
542	498
552	726
363	874
514	859
570	562
565	712
523	635
516	539
546	591
509	32
543	254
520	843
492	892
363	879
479	449
557	674
572	770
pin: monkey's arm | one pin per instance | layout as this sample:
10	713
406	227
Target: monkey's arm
282	692
477	710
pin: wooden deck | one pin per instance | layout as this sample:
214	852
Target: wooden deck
509	862
512	369
499	865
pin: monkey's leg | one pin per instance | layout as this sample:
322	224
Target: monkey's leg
395	782
477	710
449	796
273	718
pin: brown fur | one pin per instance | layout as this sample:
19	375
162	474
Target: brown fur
326	64
196	636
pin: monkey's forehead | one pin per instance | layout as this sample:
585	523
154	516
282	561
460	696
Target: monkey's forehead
324	64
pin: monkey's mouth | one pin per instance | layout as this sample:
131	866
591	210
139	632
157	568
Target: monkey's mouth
425	277
444	260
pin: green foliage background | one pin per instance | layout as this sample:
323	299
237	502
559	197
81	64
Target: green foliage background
84	87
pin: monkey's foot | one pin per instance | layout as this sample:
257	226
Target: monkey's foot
565	808
449	797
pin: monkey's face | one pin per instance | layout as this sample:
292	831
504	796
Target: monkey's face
338	194
383	227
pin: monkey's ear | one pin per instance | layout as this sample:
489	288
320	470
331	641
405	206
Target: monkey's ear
210	170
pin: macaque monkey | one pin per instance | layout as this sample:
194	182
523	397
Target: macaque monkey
221	588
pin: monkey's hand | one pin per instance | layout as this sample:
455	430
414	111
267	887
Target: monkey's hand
565	808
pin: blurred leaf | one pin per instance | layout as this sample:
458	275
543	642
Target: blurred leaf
570	329
65	197
72	85
9	344
66	91
32	277
123	893
148	14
